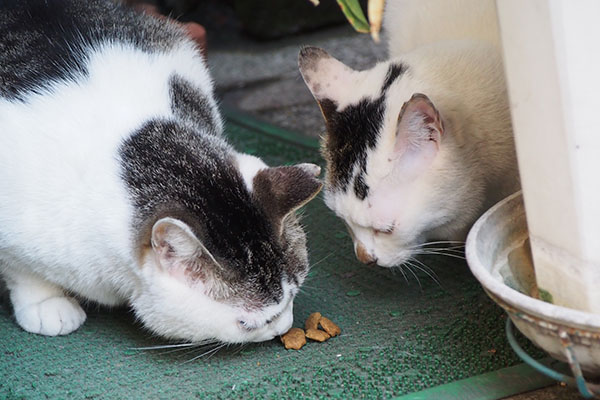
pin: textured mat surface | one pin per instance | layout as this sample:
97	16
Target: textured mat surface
401	333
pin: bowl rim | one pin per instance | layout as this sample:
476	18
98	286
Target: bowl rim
521	302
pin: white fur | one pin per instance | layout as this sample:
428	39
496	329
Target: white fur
65	215
335	81
429	191
249	167
175	309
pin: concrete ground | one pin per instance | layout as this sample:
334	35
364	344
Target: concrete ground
262	79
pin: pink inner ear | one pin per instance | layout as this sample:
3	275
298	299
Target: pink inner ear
418	121
418	137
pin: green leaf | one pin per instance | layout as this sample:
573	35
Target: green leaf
354	14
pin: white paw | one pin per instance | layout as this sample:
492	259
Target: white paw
51	317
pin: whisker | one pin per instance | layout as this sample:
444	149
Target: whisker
307	287
451	248
311	277
321	260
209	352
399	267
427	251
165	346
302	291
408	266
441	254
439	242
241	347
427	270
306	291
427	267
190	351
186	350
195	358
441	250
212	353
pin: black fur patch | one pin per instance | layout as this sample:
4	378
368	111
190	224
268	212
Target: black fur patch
188	103
351	132
172	171
361	190
44	41
394	72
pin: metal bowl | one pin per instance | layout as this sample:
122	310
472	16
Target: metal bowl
499	257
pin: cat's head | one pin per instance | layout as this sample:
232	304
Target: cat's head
390	173
231	275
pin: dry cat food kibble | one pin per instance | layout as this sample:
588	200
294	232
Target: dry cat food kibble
312	322
317	334
329	327
295	338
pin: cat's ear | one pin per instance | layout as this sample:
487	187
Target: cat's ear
282	190
179	251
328	79
419	133
419	120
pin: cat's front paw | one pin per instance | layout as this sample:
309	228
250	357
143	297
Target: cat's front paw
51	317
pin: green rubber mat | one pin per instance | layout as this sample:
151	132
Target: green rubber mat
401	333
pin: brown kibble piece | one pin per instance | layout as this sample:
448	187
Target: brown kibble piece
294	339
331	328
312	322
317	334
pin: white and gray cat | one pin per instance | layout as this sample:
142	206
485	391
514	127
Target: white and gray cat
118	187
418	146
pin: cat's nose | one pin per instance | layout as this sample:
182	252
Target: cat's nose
363	255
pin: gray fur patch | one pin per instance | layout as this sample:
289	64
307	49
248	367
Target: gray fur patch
172	171
190	104
42	42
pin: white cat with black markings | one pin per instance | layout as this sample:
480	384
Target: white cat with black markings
418	146
118	187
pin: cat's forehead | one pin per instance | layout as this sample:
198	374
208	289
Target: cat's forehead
353	132
204	187
248	238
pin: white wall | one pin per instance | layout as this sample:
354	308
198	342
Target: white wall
552	62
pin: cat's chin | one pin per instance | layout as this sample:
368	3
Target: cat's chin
397	264
392	262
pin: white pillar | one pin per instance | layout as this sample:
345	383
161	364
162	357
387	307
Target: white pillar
552	63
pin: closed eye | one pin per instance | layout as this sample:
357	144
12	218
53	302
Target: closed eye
250	326
384	231
274	317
